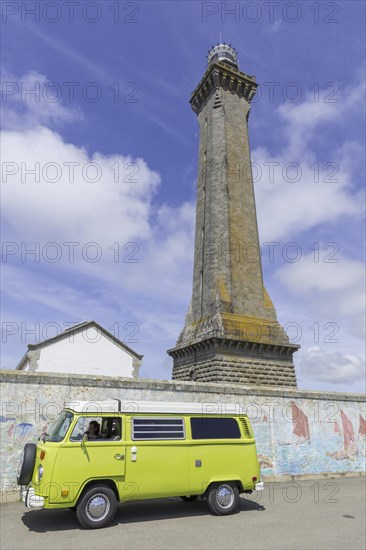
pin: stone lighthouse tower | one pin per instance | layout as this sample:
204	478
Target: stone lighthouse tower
231	332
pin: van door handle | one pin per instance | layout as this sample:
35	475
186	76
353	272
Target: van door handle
119	457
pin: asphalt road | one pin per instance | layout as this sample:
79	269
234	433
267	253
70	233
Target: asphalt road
313	514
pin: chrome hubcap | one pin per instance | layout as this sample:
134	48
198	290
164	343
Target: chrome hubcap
97	507
225	496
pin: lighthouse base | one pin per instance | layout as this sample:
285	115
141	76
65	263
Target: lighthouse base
233	361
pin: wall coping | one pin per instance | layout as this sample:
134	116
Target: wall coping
19	377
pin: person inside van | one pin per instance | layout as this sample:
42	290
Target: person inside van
93	430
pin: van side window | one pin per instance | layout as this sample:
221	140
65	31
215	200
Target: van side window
214	428
157	428
81	427
108	428
111	429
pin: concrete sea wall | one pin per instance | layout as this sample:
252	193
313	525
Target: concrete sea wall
298	433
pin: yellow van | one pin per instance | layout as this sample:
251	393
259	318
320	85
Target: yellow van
101	453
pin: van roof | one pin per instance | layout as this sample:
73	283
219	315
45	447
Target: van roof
117	405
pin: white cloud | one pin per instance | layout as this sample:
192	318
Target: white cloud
332	367
77	196
307	275
163	273
32	101
287	208
332	294
332	104
297	188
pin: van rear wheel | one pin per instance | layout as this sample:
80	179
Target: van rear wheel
97	507
223	498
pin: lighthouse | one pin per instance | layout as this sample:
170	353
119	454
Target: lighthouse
231	332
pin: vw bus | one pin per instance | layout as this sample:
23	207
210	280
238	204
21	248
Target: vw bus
140	450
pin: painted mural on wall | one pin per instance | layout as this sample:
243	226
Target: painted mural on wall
329	437
312	437
295	436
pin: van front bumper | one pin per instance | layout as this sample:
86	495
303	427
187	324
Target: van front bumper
31	500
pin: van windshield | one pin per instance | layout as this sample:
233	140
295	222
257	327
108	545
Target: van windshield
59	428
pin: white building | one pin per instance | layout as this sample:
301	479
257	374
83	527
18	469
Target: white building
85	348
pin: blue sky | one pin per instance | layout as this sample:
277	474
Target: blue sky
116	143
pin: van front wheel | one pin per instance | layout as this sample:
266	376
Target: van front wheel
223	498
97	507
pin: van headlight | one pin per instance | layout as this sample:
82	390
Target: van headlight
40	472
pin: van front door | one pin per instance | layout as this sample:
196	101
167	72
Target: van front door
90	456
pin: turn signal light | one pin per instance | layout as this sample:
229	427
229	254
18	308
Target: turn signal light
42	455
64	492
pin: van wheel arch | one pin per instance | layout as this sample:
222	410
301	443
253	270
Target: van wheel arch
108	482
